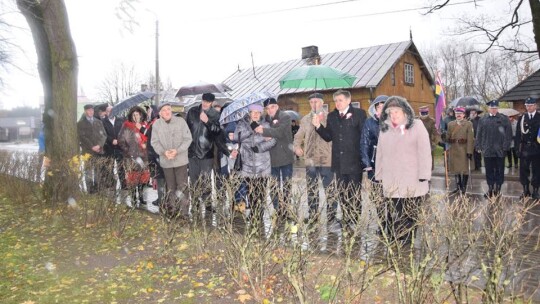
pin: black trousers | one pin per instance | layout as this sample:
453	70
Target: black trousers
512	156
401	217
494	170
528	164
477	160
349	186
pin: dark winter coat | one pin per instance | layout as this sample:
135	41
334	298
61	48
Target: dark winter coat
91	134
345	135
134	141
203	134
254	164
112	133
368	142
494	135
280	129
527	131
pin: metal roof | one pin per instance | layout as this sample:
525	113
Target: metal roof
529	87
369	65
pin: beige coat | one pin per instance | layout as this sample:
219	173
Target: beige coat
317	151
172	135
403	159
461	140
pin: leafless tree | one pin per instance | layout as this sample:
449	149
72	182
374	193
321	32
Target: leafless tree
486	76
121	82
495	32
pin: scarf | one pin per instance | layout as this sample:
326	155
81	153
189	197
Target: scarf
141	137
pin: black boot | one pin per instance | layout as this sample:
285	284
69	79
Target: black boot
497	191
458	184
464	181
489	193
141	197
535	194
526	192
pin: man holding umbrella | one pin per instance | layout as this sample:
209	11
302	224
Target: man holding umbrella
203	122
493	141
281	155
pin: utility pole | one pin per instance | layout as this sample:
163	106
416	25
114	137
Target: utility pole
156	100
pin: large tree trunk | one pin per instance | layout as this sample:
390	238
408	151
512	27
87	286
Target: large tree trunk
58	67
535	12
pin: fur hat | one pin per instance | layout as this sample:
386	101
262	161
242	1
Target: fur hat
209	97
269	101
396	101
136	109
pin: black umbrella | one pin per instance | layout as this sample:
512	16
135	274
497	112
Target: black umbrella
201	88
466	102
131	101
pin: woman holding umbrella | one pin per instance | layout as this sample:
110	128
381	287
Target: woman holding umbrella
256	166
133	141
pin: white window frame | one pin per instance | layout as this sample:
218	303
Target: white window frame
408	71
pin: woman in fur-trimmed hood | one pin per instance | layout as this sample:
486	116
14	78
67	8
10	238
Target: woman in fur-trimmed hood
403	160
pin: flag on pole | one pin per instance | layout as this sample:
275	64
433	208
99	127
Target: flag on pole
440	100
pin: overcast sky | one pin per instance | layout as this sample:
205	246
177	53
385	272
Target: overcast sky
208	39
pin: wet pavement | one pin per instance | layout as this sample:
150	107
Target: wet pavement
527	271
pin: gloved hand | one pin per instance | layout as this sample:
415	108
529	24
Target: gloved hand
469	156
255	149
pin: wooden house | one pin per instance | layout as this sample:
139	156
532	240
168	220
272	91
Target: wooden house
528	87
390	69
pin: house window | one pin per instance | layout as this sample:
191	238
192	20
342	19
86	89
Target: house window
409	74
393	76
422	80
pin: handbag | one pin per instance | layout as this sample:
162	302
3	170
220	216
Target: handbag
238	161
137	173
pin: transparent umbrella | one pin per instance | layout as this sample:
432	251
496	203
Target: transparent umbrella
237	109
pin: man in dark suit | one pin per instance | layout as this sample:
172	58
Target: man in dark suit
344	128
529	148
111	149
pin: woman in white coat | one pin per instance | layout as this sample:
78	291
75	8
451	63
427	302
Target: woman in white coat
403	165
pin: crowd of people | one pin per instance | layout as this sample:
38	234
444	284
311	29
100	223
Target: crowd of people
392	145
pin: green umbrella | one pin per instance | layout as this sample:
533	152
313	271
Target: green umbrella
316	77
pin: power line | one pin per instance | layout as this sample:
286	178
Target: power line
336	3
397	11
289	9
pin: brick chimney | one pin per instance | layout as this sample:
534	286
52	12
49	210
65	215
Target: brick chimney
311	55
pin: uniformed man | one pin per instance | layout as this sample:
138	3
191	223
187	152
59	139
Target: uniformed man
474	118
429	123
493	141
460	138
529	148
